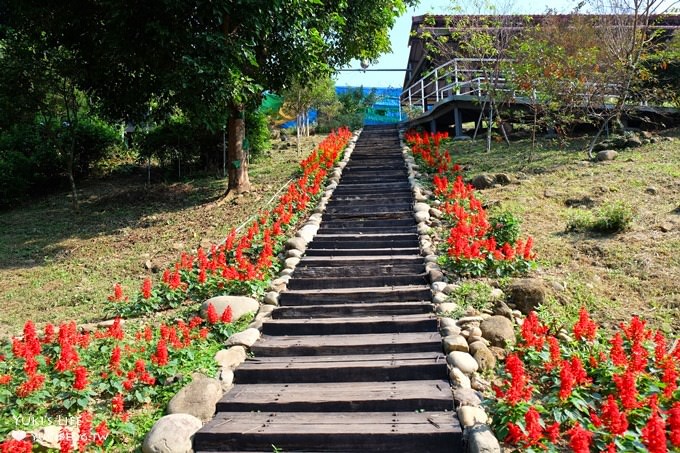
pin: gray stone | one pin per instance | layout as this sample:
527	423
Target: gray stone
226	378
291	262
296	243
479	384
472	339
438	286
436	213
48	436
450	331
459	379
651	190
172	434
440	298
446	307
462	360
232	357
271	298
483	181
285	272
421	207
500	308
246	338
294	253
423	228
606	155
503	179
265	311
475	331
497	294
308	232
633	141
499	331
467	397
422	216
526	294
482	440
436	275
447	322
240	305
198	398
475	346
454	343
485	359
430	259
471	415
470	319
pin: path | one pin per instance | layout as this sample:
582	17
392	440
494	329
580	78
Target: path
351	360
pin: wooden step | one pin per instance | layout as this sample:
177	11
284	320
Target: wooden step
404	396
381	343
342	368
298	282
374	268
373	260
361	243
351	325
363	251
346	310
397	432
352	295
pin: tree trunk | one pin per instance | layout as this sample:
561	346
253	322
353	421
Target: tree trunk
236	155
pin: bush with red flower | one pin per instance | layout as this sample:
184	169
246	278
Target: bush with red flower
476	245
595	393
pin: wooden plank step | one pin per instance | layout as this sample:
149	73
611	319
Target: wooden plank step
363	251
404	396
373	208
372	260
355	216
298	282
363	295
367	269
360	243
346	368
381	343
374	236
359	229
346	310
350	199
397	432
351	325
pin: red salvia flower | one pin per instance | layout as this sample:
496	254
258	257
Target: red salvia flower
146	288
48	336
669	377
65	440
515	434
615	420
16	446
118	295
577	370
579	439
117	404
84	430
674	424
212	314
227	315
533	332
114	361
34	383
532	423
80	380
654	432
585	328
519	388
567	380
102	432
638	359
627	388
160	358
5	379
617	353
595	419
552	432
116	330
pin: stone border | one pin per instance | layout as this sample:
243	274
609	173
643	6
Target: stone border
195	403
465	340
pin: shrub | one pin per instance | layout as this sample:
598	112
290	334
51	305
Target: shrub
610	218
257	133
505	227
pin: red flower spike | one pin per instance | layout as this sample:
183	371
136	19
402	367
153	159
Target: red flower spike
567	380
579	439
146	288
102	432
227	315
532	423
16	446
617	353
65	440
117	404
515	434
80	380
84	430
212	314
585	328
552	432
674	424
654	432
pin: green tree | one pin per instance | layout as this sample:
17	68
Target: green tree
300	97
212	59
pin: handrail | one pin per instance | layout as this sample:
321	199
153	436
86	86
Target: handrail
456	77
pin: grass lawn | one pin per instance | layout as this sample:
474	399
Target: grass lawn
617	275
57	265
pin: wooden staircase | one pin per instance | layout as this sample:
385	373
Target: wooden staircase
351	359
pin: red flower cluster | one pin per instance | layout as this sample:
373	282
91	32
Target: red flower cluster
470	237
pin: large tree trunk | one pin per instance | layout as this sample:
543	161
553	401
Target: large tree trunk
236	155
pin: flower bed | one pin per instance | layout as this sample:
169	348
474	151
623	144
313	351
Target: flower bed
476	246
596	393
105	389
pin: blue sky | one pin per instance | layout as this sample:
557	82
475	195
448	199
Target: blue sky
399	37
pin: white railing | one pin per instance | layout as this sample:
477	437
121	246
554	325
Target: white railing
468	76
